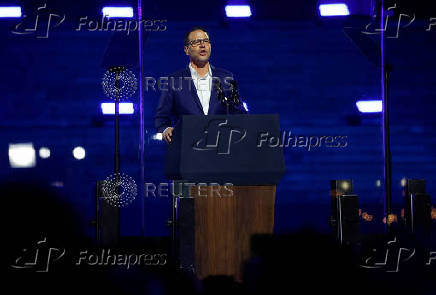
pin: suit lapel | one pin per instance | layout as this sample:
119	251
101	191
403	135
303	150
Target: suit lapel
213	102
193	90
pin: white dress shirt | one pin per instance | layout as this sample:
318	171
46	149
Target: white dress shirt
203	86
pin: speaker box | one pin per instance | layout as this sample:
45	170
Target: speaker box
417	205
108	219
347	218
338	188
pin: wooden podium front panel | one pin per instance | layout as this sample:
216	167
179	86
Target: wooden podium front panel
225	220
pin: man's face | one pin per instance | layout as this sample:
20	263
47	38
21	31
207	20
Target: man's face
198	52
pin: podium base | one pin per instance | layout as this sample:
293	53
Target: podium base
216	223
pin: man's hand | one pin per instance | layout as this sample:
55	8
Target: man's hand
166	135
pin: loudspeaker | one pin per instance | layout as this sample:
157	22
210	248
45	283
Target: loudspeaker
417	205
347	218
338	188
108	219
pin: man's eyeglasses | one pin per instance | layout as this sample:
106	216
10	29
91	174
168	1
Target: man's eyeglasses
197	42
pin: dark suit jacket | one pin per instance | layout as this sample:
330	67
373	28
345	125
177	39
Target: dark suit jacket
180	98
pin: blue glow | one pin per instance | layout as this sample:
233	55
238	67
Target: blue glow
238	10
111	11
125	108
336	9
370	106
10	11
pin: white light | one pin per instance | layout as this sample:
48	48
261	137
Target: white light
403	182
333	9
238	10
110	11
10	11
378	183
245	106
345	185
44	152
57	184
79	153
125	108
22	155
370	106
157	136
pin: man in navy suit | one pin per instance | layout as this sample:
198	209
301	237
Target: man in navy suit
193	90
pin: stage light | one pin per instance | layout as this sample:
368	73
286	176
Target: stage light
238	10
111	11
403	182
79	153
244	104
44	153
22	155
378	183
125	108
334	9
369	106
157	136
10	11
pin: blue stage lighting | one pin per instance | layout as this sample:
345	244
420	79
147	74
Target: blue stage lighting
370	106
238	10
122	12
22	155
334	9
126	108
10	11
245	106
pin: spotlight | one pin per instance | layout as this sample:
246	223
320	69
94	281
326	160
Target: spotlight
238	10
79	153
334	9
125	108
110	11
22	155
369	106
10	11
44	153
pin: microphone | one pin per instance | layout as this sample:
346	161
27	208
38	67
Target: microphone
235	94
220	93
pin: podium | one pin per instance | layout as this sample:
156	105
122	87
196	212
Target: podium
225	169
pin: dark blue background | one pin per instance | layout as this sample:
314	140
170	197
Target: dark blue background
292	64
